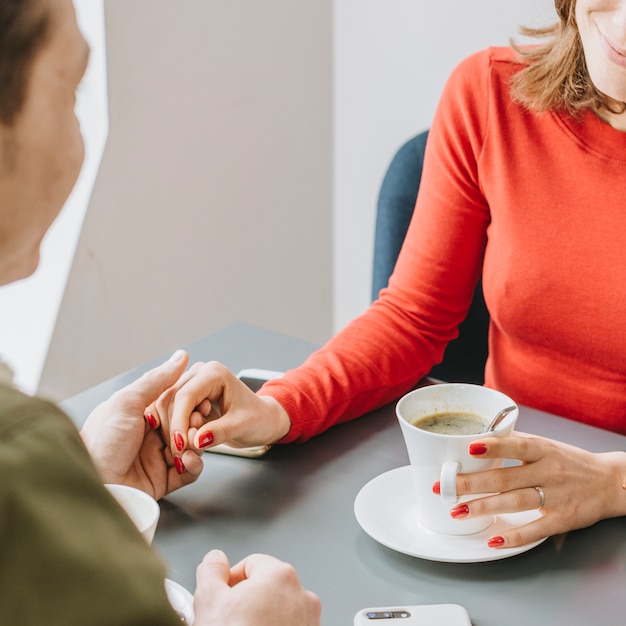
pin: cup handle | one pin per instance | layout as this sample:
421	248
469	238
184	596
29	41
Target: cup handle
449	471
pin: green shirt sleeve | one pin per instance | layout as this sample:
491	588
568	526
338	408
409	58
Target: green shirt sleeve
70	555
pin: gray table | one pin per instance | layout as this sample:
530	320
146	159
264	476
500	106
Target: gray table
297	503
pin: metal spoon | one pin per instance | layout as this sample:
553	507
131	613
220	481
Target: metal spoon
499	417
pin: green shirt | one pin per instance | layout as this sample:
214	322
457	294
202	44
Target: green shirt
69	555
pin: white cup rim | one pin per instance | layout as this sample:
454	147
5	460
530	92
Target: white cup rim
504	424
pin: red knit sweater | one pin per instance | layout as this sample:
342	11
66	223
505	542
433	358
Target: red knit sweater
539	202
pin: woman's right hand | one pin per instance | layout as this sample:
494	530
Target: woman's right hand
209	405
259	590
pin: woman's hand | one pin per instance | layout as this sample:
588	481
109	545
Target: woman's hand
579	487
259	590
209	405
128	450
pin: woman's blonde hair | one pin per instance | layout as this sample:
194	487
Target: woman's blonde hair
557	75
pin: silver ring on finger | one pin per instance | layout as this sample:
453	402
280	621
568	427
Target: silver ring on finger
542	495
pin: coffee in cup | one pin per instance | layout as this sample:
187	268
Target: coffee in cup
438	423
452	423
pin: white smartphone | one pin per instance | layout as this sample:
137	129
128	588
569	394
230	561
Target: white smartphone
253	378
415	615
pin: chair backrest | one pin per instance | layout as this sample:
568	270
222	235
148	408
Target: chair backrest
465	357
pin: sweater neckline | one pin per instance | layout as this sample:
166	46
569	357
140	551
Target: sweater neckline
595	135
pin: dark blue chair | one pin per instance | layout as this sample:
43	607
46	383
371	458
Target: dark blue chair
465	357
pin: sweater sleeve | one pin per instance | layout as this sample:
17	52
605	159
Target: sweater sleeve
70	555
384	352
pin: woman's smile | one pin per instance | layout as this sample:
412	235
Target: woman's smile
614	53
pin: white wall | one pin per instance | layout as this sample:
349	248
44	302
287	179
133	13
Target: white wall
28	309
213	200
392	58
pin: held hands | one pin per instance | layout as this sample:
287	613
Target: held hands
259	590
579	487
128	450
209	405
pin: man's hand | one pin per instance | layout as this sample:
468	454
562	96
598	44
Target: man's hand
259	590
126	448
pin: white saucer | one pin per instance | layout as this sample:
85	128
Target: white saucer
181	600
386	511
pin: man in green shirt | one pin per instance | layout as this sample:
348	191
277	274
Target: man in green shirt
70	555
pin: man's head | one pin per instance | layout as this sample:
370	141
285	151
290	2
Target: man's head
24	28
43	57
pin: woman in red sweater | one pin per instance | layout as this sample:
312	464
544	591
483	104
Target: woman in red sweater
524	180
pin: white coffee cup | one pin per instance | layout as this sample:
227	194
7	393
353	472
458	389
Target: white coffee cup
437	457
142	508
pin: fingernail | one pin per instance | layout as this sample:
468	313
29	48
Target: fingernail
151	420
461	510
215	553
180	466
437	488
177	356
205	439
179	442
476	449
496	542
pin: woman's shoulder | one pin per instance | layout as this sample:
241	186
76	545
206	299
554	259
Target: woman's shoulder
502	60
480	78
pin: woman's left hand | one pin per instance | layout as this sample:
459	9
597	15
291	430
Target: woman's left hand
128	450
579	487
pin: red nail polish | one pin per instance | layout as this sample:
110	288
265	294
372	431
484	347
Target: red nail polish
180	466
437	488
461	510
205	439
496	542
151	420
476	449
179	442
